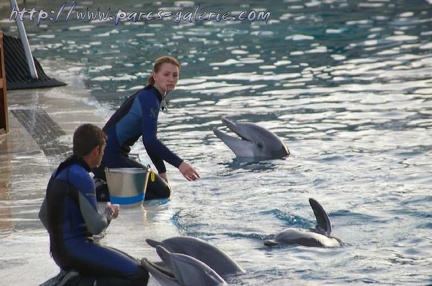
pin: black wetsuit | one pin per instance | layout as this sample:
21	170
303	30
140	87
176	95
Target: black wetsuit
69	213
137	117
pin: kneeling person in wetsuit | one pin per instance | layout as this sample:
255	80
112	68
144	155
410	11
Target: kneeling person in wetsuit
69	213
137	117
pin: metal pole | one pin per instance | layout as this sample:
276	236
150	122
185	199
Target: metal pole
24	40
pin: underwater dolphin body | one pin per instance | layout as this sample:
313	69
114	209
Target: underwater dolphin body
255	141
320	236
182	270
215	258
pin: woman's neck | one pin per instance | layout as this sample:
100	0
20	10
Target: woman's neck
163	92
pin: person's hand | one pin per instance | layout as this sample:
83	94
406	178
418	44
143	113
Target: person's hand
188	171
114	210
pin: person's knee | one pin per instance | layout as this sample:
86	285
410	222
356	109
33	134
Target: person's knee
141	277
157	188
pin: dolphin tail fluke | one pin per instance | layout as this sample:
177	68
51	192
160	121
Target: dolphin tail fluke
323	221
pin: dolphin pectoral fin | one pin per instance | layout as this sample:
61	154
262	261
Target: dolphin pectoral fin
323	221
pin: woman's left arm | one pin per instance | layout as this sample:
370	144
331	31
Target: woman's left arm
155	148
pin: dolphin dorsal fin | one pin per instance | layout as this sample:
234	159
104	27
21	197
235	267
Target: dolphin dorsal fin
323	221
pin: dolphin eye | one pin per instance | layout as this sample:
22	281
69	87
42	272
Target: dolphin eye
260	145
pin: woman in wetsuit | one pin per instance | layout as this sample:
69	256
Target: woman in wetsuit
137	117
69	213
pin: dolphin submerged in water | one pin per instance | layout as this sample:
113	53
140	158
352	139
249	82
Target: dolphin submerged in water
190	261
320	236
255	141
182	270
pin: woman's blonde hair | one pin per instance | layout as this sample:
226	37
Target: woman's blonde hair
157	65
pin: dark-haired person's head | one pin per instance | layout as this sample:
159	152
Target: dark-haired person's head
89	141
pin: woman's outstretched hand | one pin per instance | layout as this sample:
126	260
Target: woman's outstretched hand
188	171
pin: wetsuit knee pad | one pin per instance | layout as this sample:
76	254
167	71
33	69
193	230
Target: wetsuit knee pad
157	188
142	277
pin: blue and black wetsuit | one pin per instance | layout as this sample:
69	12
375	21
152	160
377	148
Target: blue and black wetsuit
69	213
137	117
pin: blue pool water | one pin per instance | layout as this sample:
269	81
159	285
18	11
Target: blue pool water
346	84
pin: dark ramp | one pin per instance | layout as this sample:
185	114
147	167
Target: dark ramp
43	130
17	71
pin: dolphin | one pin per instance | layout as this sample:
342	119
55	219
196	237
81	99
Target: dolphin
256	142
320	236
182	270
215	258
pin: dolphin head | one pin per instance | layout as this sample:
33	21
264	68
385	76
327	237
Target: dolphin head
189	270
254	142
197	248
162	274
179	269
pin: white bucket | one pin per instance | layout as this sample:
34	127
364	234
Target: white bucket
127	185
